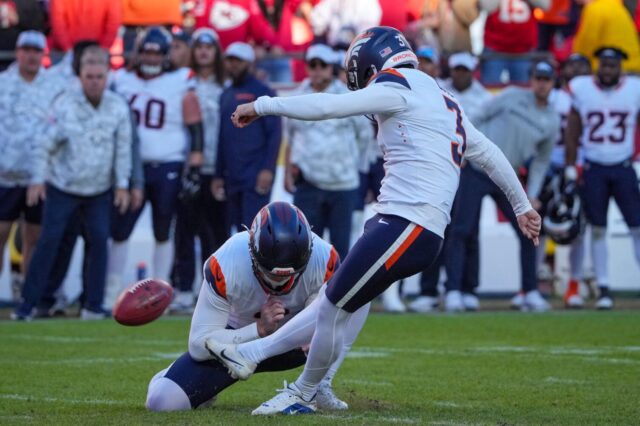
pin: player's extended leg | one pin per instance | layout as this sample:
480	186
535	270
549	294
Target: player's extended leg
121	228
627	195
188	384
297	332
572	297
391	248
164	201
597	191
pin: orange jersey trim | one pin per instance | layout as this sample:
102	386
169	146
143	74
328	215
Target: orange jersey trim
332	264
218	282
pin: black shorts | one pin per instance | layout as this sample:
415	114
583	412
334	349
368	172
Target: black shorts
13	203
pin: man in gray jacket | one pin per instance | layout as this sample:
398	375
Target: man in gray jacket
26	93
523	124
323	157
84	153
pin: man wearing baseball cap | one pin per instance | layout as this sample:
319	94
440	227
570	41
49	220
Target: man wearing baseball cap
246	161
323	157
524	126
603	122
472	96
428	60
27	93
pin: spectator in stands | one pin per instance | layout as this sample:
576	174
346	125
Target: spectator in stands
17	16
428	61
138	15
278	16
608	23
26	93
510	35
246	160
323	157
199	213
235	20
524	125
473	97
180	51
329	17
445	24
398	14
84	154
72	21
603	118
557	26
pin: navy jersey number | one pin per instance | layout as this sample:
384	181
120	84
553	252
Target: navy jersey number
153	115
595	119
457	151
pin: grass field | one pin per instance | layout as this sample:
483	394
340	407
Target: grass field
503	368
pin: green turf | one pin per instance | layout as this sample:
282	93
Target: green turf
490	368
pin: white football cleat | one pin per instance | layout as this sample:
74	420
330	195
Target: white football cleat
574	301
112	289
534	302
517	301
470	302
87	315
288	401
326	399
453	301
182	303
227	353
391	301
604	303
424	304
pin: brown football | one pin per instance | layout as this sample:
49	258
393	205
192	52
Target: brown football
142	302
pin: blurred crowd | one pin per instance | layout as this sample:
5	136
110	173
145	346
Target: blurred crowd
108	106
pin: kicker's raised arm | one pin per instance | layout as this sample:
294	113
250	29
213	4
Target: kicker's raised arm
375	99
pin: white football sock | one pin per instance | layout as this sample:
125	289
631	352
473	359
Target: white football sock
355	324
162	260
541	251
326	346
165	395
118	252
576	258
599	255
635	238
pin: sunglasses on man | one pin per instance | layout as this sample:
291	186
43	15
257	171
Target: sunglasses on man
316	63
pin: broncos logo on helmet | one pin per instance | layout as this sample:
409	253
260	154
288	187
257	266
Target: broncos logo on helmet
280	243
374	50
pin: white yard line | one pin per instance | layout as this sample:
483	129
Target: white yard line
365	382
81	340
563	381
17	397
377	419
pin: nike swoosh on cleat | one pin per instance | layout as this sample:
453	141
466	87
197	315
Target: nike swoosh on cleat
229	359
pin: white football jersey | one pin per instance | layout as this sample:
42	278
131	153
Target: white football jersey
424	135
561	101
157	106
608	117
230	274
